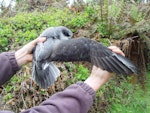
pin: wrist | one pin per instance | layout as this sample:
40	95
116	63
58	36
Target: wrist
96	82
21	57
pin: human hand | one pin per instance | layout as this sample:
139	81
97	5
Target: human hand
115	49
24	55
98	76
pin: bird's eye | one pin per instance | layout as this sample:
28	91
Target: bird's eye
53	37
65	32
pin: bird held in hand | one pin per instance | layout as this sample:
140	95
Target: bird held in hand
76	49
44	72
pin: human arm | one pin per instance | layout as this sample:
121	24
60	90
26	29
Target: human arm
11	62
96	82
8	66
77	98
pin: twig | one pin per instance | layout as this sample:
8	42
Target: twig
109	42
24	101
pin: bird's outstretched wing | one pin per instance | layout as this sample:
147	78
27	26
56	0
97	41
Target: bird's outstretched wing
84	49
103	57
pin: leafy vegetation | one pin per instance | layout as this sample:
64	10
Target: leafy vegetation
120	18
113	21
82	73
21	29
11	87
123	96
128	98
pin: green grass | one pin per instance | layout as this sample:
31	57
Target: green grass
147	99
136	100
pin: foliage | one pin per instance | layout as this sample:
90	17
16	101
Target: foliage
114	20
148	66
11	87
148	57
120	18
125	97
105	41
82	73
21	29
79	71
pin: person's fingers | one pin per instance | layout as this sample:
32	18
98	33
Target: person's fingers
116	50
28	47
34	42
94	67
112	47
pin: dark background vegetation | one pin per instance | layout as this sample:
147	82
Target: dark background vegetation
122	23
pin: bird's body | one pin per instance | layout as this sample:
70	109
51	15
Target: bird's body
76	49
45	73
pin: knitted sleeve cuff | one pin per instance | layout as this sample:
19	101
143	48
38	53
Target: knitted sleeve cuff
87	88
12	59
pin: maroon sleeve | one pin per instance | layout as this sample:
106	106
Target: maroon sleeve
77	98
8	66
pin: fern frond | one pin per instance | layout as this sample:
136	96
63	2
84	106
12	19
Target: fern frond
137	27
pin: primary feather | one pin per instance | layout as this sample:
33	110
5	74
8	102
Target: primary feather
77	49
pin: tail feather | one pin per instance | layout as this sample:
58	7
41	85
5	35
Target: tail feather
45	75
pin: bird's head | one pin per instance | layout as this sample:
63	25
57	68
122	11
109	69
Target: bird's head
63	33
57	33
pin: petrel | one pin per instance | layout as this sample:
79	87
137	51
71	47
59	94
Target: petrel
44	72
60	47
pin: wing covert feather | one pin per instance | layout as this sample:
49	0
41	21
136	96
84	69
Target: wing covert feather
71	50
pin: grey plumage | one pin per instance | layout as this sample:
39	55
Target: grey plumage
44	72
77	49
85	49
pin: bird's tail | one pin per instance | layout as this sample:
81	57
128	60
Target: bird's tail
44	74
